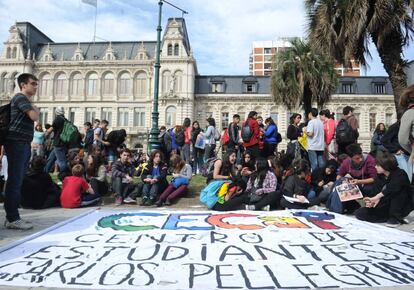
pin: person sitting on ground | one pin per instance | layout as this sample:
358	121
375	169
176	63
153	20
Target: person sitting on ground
154	178
182	174
323	179
96	174
261	187
122	178
390	200
224	169
296	187
76	192
38	189
247	166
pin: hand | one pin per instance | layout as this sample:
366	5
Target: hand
147	180
154	180
320	183
354	181
129	178
175	175
301	198
372	202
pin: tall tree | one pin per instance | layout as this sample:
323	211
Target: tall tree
344	28
301	77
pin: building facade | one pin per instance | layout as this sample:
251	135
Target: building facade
410	73
114	81
261	58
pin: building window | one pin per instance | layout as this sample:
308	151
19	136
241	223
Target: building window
8	54
267	51
178	81
268	58
141	84
249	88
388	119
3	83
242	115
274	116
125	85
217	87
268	66
166	75
106	114
45	85
43	116
72	115
108	84
338	116
347	88
176	49
123	117
14	52
61	84
224	120
92	85
170	116
139	117
90	115
169	49
379	89
76	88
372	121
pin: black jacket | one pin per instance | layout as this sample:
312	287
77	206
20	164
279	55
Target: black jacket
163	173
390	138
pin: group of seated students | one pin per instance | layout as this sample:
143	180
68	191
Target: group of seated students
281	183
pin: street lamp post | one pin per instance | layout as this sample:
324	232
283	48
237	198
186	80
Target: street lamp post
153	138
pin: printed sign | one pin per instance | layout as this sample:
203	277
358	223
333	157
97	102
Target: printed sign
210	250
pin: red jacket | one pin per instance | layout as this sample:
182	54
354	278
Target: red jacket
329	128
256	133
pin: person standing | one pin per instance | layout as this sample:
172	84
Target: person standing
329	131
251	134
347	130
186	148
17	147
234	137
316	143
293	133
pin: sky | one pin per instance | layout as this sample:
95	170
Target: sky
221	32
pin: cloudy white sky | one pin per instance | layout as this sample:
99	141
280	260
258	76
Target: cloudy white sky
221	32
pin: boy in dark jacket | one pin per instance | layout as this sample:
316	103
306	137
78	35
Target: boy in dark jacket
122	178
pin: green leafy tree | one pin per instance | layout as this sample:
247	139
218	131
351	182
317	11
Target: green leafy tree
344	29
301	77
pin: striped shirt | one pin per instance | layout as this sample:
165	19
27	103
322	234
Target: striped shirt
21	126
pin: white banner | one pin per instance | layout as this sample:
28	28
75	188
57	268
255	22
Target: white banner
209	250
91	2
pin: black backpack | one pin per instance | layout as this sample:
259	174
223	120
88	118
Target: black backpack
5	113
246	132
179	138
344	133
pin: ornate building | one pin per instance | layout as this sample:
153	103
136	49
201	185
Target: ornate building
114	81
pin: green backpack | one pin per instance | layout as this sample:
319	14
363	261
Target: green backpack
69	133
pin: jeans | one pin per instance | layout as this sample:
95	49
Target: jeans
18	156
122	189
209	151
197	159
316	159
185	153
151	191
58	154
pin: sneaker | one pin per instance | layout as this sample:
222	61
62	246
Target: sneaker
118	201
167	202
250	207
143	201
159	203
129	200
18	225
392	223
266	208
405	221
150	202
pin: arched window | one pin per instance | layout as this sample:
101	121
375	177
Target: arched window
92	82
176	49
61	84
178	85
3	83
76	87
166	75
14	52
141	84
8	53
45	85
108	83
125	84
169	49
170	116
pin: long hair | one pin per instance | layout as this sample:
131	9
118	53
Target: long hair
293	117
378	130
262	167
177	163
152	156
92	169
187	123
226	165
269	121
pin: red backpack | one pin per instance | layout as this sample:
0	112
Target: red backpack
225	137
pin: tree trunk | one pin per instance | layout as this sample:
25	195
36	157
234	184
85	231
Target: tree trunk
390	54
307	101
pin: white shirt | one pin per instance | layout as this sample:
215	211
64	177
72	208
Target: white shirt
316	142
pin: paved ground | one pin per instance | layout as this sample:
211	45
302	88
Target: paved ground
43	219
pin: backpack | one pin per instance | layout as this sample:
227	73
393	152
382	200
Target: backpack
225	138
89	137
69	132
246	132
208	167
278	138
179	138
5	114
344	133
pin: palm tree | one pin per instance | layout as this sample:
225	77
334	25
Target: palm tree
343	29
301	77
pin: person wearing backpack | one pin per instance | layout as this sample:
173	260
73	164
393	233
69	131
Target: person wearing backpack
210	136
88	140
60	149
347	130
23	114
250	134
